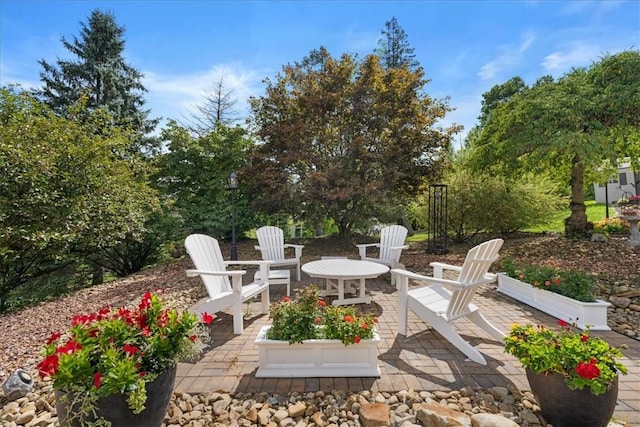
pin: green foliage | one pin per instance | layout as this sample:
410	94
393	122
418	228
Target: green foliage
66	186
193	173
478	202
577	285
583	361
343	139
308	317
566	128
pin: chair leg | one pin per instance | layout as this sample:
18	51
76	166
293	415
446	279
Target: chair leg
264	299
403	306
447	330
477	318
238	326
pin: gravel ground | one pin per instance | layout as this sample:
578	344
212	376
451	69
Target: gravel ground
23	332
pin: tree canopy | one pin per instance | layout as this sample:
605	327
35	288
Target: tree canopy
63	185
100	74
567	127
193	175
343	139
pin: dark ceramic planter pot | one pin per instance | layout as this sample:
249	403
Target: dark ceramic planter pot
115	408
562	407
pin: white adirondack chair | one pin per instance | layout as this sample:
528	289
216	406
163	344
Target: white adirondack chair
272	247
211	267
389	249
446	300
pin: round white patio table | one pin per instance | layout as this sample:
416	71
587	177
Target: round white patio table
340	271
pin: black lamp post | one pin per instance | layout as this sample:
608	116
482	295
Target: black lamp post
232	180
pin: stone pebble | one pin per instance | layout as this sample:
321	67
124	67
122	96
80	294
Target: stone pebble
493	407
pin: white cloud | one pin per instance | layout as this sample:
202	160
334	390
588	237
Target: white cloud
576	54
510	56
175	96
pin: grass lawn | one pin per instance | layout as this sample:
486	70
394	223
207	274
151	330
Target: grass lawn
595	212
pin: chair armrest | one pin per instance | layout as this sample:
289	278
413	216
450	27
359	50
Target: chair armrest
297	248
439	267
452	284
399	247
193	273
248	262
362	248
415	276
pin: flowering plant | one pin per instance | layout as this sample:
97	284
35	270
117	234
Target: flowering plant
628	205
582	360
577	285
120	350
308	316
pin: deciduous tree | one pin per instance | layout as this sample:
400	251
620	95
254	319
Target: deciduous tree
63	186
344	139
568	127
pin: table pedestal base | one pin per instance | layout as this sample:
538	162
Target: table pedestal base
337	287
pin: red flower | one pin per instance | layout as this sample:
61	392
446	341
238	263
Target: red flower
357	339
521	277
588	370
318	320
49	365
364	325
547	283
129	349
583	338
286	299
145	303
563	324
207	318
104	313
96	379
322	303
193	338
54	337
348	318
69	347
556	280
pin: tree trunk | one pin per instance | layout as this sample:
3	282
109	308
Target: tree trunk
576	225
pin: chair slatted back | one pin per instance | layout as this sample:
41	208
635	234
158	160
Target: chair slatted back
271	242
392	236
476	266
206	255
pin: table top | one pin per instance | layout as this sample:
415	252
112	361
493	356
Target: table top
344	268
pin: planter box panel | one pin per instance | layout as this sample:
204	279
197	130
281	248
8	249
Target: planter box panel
556	305
316	358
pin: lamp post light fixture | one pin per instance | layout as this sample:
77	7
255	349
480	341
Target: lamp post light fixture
232	181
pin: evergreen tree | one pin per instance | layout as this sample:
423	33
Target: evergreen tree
99	74
393	48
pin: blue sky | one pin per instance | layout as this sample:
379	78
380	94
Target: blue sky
183	47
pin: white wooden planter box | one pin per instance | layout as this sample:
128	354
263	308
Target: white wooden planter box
559	306
316	358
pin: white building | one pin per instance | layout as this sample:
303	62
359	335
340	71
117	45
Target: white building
627	181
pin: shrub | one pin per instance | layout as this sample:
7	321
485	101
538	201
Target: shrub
608	226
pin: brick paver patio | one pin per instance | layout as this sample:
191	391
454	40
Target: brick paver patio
421	361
